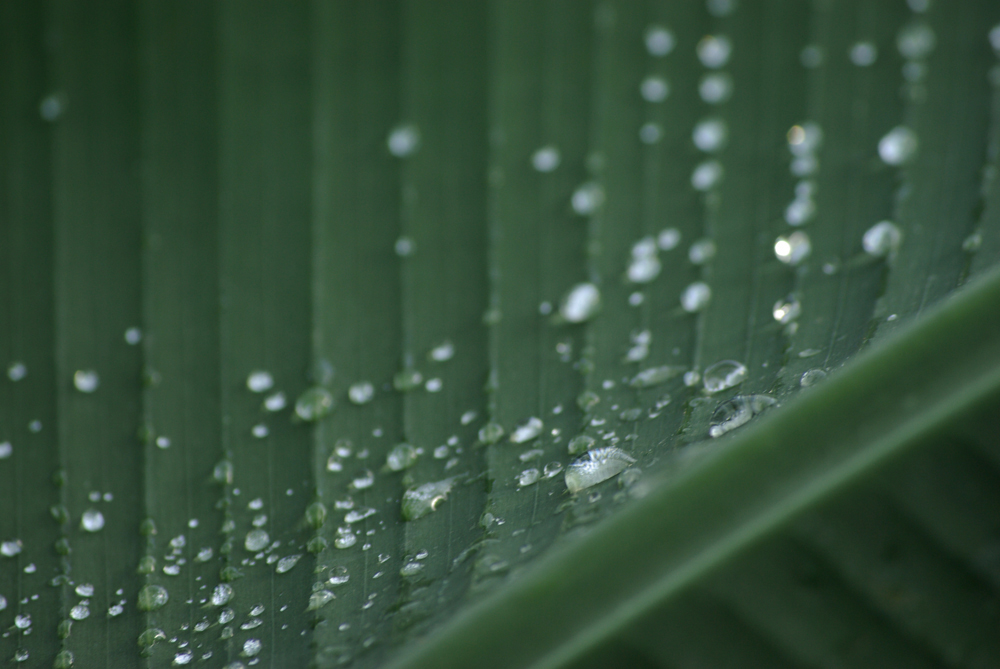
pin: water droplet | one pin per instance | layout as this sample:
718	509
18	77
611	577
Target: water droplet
659	41
256	540
710	135
204	555
811	56
433	385
404	247
251	647
786	310
64	660
221	594
260	381
701	251
133	336
800	211
599	464
654	89
441	452
361	393
714	51
163	442
668	239
792	249
23	621
260	520
183	657
863	54
738	411
92	520
423	499
587	198
84	590
345	538
152	597
552	469
275	402
882	239
11	548
51	107
587	400
363	481
715	88
442	352
720	8
696	297
811	377
285	564
115	610
916	41
654	376
3	602
171	569
338	576
319	599
147	565
401	457
898	146
545	159
404	140
528	431
531	455
260	430
580	444
918	6
407	379
994	37
79	612
581	303
724	374
630	415
17	371
86	380
643	269
357	515
528	477
223	472
650	133
706	175
314	403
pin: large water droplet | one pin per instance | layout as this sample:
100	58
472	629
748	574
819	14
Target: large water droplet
738	411
882	239
92	520
724	374
314	403
285	564
863	54
659	41
792	249
595	466
86	380
256	540
581	303
221	594
152	597
251	647
714	51
696	297
423	499
361	393
260	381
545	159
404	140
528	431
898	146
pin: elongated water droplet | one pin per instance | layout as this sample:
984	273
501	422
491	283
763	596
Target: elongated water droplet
86	380
285	564
898	146
260	381
314	403
423	499
659	41
528	431
363	481
724	374
792	249
738	411
696	297
361	393
581	303
528	477
811	377
92	520
654	376
319	599
404	140
599	464
275	402
357	515
256	540
882	239
152	597
714	51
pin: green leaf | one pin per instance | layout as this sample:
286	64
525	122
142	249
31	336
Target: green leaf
355	334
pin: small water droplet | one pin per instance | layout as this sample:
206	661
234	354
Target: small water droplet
183	657
710	135
260	430
650	133
581	303
79	612
411	569
738	411
916	41
724	374
898	146
545	159
314	403
338	576
668	239
654	89
357	515
433	385
696	297
285	564
587	198
599	464
163	442
580	444
407	379
115	610
345	538
786	310
223	472
792	249
716	88
361	393
811	56
654	376
863	54
442	352
51	107
86	380
706	175
133	336
251	647
528	431
659	41
811	377
714	51
221	594
259	381
404	140
422	500
528	477
92	520
882	239
17	371
256	540
152	597
552	469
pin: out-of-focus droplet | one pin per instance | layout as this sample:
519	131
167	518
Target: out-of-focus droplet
86	380
581	303
696	297
724	374
882	239
916	41
710	135
716	88
654	89
587	198
792	249
714	51
659	41
404	140
260	381
786	310
706	175
898	146
92	520
314	403
361	392
863	54
545	159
